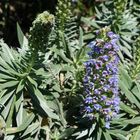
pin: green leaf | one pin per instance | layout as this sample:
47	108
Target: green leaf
136	90
125	78
31	128
67	45
21	38
10	115
128	109
6	52
68	132
6	111
129	94
91	129
107	135
82	134
6	76
19	108
136	135
81	38
22	127
120	136
32	81
9	84
40	102
135	120
7	68
20	86
127	52
3	101
99	134
63	56
81	52
98	13
90	22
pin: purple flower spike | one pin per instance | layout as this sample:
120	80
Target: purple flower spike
101	78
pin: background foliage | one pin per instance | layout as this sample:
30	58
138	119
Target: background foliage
41	89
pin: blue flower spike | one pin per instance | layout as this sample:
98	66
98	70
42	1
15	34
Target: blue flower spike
101	77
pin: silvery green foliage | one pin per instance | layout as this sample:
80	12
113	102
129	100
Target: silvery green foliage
41	89
34	89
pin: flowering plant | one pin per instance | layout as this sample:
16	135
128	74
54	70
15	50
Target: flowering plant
57	86
101	78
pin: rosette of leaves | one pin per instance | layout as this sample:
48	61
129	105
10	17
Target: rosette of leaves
35	89
25	108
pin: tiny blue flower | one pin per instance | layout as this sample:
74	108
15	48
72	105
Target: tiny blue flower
108	117
106	88
117	108
116	101
114	80
97	106
89	100
90	116
87	91
106	110
103	98
107	125
110	34
108	46
97	91
91	85
105	73
105	57
96	76
108	102
96	49
92	44
115	90
86	79
115	46
88	109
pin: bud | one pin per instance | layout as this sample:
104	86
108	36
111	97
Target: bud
40	31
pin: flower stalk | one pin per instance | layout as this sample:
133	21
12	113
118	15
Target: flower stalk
101	77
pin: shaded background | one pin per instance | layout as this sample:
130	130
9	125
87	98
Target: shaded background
23	12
